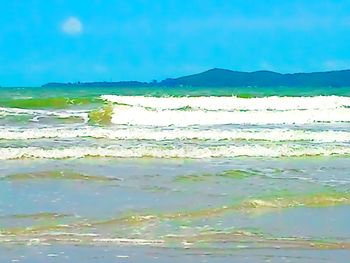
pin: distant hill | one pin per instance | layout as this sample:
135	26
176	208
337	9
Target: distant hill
228	78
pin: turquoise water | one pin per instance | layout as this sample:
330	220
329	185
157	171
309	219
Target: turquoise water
169	175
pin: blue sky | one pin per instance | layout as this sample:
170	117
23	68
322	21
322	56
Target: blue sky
96	40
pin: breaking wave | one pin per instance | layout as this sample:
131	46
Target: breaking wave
186	111
142	116
36	114
187	151
138	133
232	103
179	127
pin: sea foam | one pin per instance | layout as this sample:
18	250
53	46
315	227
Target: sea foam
187	111
156	134
232	103
189	151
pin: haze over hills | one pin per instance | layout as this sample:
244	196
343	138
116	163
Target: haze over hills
227	78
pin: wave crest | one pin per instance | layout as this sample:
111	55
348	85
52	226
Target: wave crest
187	111
232	103
138	133
189	151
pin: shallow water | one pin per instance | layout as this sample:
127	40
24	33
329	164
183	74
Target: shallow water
89	178
238	206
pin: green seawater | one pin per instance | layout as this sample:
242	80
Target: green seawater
42	97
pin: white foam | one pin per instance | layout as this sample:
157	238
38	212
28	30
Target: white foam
138	133
232	103
171	120
42	113
129	241
141	116
188	151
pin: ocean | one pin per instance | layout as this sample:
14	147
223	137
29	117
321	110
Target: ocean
174	174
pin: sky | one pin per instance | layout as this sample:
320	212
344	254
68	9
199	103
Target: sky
110	40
